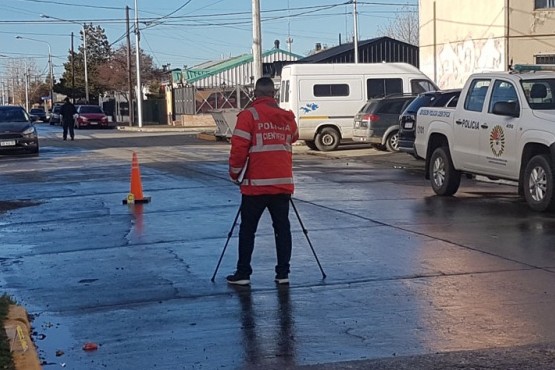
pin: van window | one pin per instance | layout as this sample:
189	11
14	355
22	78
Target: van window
394	106
379	87
286	98
284	92
331	90
422	86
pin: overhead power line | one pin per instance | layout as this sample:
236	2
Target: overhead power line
70	4
183	17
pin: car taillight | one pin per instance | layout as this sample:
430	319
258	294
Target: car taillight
371	117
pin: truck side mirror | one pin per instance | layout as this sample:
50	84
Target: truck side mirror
504	108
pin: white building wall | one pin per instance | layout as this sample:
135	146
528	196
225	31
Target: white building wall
462	38
532	31
481	35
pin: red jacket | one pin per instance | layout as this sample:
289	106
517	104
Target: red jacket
264	134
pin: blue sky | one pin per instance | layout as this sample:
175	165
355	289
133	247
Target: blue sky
187	32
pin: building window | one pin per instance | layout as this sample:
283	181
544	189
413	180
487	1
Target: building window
543	4
331	90
545	59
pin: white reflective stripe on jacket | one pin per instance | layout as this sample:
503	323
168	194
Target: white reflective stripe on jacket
266	182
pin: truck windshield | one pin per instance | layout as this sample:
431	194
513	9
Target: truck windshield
539	93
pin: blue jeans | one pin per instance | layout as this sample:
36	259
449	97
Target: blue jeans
252	208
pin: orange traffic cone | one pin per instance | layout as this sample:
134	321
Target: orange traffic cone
136	193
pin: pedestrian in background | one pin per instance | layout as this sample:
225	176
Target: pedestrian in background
262	140
67	112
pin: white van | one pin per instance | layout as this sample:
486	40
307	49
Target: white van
326	97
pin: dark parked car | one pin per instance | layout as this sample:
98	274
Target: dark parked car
17	131
91	116
39	113
55	115
377	122
407	120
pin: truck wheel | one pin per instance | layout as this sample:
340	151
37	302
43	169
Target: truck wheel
327	139
538	184
392	142
443	176
310	144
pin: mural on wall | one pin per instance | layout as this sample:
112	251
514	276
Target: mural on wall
456	61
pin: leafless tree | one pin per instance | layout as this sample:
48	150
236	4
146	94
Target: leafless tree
13	80
405	26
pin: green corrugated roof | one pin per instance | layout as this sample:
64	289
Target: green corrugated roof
192	75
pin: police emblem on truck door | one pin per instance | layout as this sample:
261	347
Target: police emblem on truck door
497	141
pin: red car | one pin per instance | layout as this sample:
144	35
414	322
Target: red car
91	116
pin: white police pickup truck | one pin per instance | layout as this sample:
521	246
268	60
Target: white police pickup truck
503	127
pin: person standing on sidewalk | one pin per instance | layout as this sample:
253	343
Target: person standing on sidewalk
67	111
262	142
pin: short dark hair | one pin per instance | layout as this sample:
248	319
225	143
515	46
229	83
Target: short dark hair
66	99
264	87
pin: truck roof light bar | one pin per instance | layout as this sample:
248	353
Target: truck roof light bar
520	68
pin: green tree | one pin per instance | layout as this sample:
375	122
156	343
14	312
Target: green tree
98	52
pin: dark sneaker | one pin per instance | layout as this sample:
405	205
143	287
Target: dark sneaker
282	279
238	279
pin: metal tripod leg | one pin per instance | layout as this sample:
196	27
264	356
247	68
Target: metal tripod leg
305	231
227	242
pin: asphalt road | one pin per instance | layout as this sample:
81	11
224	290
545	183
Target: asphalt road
414	281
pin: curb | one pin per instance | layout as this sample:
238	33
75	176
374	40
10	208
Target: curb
18	329
166	128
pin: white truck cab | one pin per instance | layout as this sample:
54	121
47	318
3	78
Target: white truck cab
503	127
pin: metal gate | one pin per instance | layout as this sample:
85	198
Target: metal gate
184	100
190	100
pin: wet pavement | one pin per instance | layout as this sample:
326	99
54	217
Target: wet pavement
414	281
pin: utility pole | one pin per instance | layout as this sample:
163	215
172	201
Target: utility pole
85	61
289	40
355	33
72	72
50	68
138	66
256	40
26	75
51	78
129	72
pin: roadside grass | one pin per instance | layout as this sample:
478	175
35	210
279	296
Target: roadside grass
6	361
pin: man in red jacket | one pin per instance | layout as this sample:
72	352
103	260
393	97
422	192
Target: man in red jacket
261	142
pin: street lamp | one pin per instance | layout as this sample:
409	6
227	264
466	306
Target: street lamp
84	49
49	65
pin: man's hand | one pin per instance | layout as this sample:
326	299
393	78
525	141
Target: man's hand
235	181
